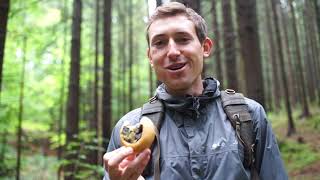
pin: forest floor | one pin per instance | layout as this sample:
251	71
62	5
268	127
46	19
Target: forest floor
301	151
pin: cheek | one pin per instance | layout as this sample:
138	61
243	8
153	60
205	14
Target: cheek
157	57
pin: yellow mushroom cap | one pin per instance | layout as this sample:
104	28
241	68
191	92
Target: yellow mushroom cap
147	136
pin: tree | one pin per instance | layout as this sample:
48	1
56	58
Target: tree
283	17
93	154
309	51
216	33
4	10
130	9
72	118
107	88
305	112
272	57
311	21
62	89
250	48
291	127
317	62
21	108
317	9
195	5
229	45
123	54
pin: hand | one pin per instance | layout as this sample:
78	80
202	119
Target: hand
124	164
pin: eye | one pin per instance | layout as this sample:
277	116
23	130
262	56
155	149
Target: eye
159	43
182	40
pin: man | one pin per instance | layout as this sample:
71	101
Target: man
197	140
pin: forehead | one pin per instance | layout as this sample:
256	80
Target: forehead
171	25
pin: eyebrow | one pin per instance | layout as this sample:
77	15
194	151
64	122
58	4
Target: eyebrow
176	33
158	36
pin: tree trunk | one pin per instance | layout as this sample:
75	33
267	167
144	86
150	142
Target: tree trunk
217	54
72	119
123	54
305	112
120	61
273	57
93	154
61	100
130	8
314	40
291	127
229	45
195	5
21	108
317	9
4	10
317	62
107	88
291	80
310	74
250	48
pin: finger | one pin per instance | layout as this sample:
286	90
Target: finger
108	155
119	156
136	167
126	161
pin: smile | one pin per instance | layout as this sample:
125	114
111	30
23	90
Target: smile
176	66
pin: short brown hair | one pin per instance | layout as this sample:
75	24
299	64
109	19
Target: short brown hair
174	9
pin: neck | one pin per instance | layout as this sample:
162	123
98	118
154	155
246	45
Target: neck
195	90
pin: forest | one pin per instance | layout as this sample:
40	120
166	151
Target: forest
85	63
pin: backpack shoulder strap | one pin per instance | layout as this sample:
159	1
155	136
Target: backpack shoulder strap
238	114
154	109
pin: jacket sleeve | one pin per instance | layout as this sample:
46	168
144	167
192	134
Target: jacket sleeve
114	143
268	159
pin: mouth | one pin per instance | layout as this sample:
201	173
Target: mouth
176	66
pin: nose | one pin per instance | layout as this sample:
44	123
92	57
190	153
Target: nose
173	51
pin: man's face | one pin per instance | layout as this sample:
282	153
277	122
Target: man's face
176	53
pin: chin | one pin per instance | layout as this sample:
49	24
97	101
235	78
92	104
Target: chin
178	85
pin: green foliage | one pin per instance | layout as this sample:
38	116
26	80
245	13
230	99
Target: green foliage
8	165
54	140
79	150
314	122
7	113
46	167
297	155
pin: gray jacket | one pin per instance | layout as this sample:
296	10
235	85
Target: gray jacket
198	142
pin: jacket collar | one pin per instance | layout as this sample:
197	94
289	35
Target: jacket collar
190	103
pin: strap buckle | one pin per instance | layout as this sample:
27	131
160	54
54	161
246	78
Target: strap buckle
230	91
153	99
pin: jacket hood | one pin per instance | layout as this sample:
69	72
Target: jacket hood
188	103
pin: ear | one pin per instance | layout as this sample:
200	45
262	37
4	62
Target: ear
207	47
149	57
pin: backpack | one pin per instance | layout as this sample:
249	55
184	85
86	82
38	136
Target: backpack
238	114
